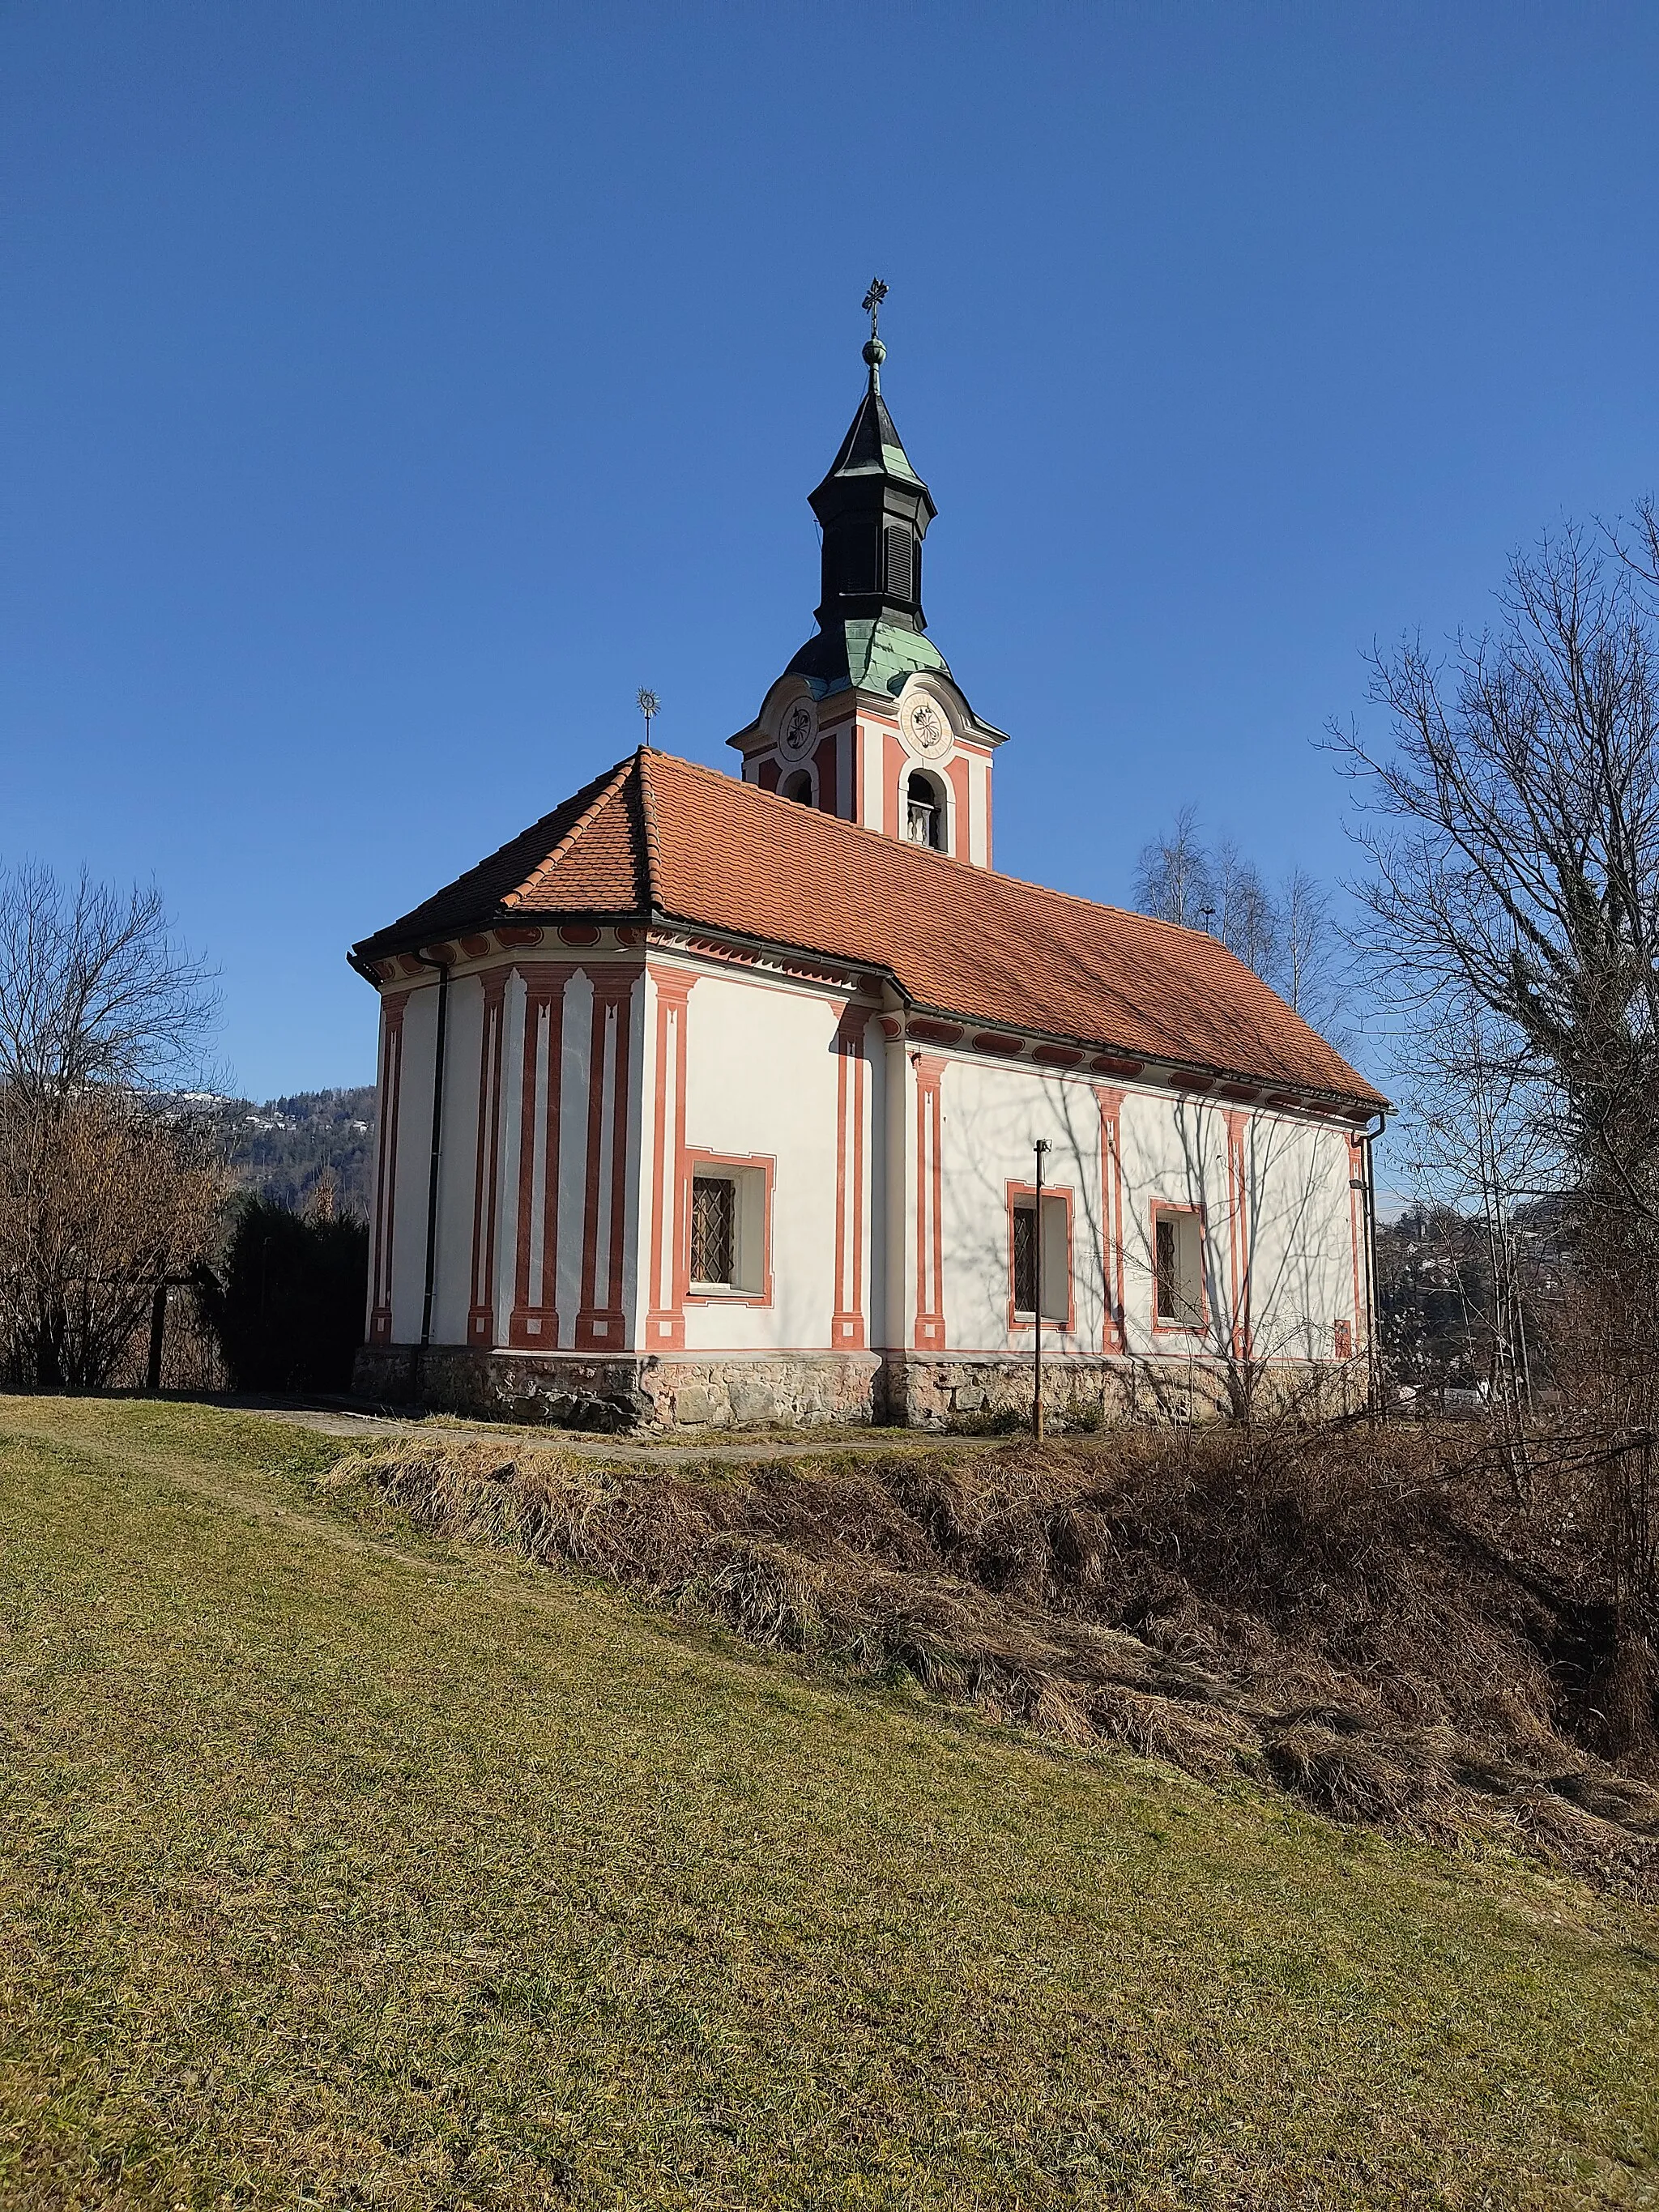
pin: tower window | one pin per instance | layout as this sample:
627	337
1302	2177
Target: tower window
797	786
924	812
901	569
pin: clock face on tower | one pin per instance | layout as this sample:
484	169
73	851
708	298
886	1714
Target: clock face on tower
800	729
925	725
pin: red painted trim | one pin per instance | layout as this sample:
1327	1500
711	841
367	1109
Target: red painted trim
533	1323
1016	1321
1178	1081
847	1330
518	935
1356	1148
929	1334
961	844
895	761
481	1312
697	1157
824	760
578	933
770	774
392	1004
475	947
664	1326
994	1041
1056	1055
930	1032
1238	1249
603	1327
1201	1327
1103	1064
1113	1332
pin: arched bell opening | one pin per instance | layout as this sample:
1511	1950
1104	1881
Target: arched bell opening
926	821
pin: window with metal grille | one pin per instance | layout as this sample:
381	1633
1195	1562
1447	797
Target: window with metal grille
1025	1259
713	1230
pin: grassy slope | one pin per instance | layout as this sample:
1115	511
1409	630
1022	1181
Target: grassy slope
338	1868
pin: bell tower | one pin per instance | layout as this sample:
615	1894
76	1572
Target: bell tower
867	721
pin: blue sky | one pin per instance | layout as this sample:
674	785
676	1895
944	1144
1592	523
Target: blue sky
390	392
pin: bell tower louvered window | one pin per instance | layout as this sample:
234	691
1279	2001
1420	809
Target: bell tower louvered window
901	563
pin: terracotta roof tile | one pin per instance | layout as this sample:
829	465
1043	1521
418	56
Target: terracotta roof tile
657	834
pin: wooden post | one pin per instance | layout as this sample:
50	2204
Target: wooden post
158	1326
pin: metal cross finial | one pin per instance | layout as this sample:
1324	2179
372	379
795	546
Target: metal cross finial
649	704
872	300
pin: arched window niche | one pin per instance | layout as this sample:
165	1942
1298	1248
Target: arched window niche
799	786
926	819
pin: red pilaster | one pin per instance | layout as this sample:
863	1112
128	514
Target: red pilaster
1113	1337
481	1314
533	1325
1238	1231
930	1229
846	1332
664	1325
392	1004
601	1321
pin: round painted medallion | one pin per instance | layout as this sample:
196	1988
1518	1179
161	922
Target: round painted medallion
799	728
924	727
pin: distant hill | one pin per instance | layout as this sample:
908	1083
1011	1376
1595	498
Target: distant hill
282	1148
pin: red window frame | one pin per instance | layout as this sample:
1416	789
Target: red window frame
696	1161
1201	1326
1057	1192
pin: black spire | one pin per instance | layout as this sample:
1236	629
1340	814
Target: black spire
874	510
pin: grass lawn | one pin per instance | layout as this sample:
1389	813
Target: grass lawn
338	1867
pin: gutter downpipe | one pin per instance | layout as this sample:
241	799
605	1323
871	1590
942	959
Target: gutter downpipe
1374	1351
417	1364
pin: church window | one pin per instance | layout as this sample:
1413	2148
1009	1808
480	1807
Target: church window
730	1228
799	786
713	1230
1177	1268
924	812
1056	1243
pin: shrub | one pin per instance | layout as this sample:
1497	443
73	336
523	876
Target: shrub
287	1301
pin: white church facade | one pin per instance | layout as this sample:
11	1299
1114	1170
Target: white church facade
714	1101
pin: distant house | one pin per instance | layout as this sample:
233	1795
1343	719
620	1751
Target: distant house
716	1099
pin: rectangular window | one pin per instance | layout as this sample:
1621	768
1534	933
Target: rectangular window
1344	1340
1178	1269
713	1231
1056	1281
730	1229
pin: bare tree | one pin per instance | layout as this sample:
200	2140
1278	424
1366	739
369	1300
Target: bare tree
106	1189
1289	937
93	986
1512	825
1172	875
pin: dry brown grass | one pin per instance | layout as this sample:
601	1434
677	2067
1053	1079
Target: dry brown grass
1365	1620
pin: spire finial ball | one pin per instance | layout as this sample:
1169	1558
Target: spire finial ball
874	352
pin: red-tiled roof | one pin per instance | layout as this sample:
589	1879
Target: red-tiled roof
659	835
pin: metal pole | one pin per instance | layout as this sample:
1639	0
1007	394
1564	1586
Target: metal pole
1040	1147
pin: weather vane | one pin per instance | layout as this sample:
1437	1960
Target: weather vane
872	300
650	703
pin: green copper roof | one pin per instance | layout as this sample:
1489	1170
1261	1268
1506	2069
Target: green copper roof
870	656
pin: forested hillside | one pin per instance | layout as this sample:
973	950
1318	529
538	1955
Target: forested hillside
283	1148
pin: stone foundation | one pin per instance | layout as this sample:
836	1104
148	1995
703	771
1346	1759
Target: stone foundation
698	1392
579	1390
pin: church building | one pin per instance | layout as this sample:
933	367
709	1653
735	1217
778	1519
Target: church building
716	1099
